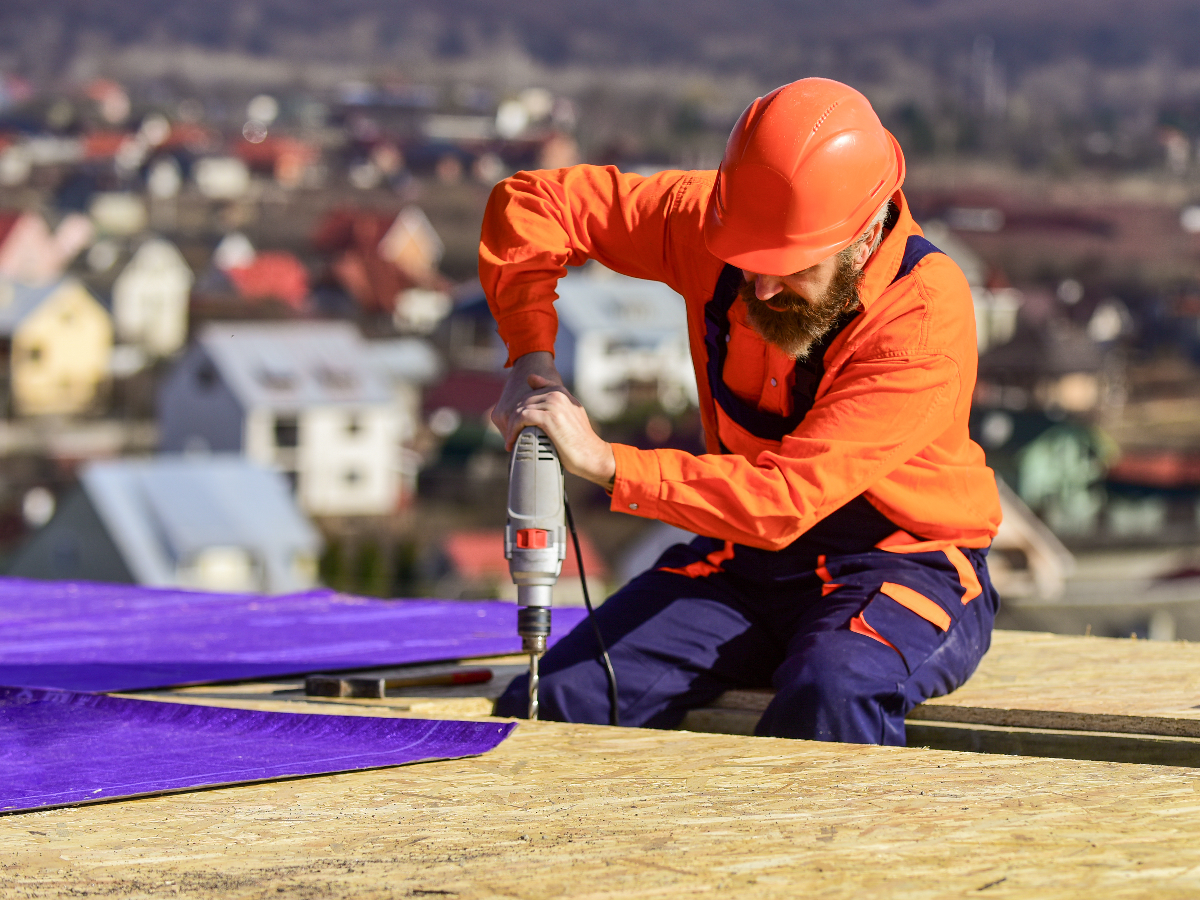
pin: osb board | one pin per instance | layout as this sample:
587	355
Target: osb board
1100	684
1034	680
592	812
981	738
1144	749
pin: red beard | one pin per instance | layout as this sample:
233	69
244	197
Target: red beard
799	325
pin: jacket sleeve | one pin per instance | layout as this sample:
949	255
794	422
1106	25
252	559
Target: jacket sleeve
536	223
878	414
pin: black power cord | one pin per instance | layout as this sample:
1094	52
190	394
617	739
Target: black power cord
613	718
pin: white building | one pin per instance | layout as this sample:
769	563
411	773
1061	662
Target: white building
150	299
211	523
301	397
221	177
616	332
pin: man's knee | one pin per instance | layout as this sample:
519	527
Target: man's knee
838	686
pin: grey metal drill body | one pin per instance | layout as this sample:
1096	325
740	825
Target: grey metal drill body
535	541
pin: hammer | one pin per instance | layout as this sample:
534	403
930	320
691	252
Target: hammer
361	686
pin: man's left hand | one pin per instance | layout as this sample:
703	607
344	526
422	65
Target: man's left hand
563	418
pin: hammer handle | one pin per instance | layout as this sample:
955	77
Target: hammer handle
464	676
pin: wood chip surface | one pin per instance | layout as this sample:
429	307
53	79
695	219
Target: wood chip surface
592	812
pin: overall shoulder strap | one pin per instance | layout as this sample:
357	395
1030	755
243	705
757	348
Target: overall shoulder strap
807	372
916	248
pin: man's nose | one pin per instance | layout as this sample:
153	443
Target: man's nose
765	286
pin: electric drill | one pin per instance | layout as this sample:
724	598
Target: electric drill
535	541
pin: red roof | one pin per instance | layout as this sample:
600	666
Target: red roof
342	229
479	556
273	275
352	237
1157	468
471	393
190	135
266	153
372	282
8	221
103	144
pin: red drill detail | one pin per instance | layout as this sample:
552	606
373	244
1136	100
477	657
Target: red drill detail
532	539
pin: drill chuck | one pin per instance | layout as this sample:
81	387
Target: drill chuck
533	625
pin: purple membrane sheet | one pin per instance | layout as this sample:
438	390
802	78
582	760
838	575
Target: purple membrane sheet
83	636
60	747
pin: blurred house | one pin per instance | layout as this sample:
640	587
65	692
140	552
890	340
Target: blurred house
472	565
405	365
1153	490
221	177
457	413
470	394
411	244
209	523
271	275
387	264
289	160
118	213
1051	365
1056	466
245	282
150	299
55	347
32	254
301	397
623	341
468	335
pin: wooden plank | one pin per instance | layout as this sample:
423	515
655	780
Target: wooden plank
954	735
1104	684
1041	681
594	812
1144	749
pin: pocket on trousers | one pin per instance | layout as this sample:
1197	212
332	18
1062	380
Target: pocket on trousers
907	620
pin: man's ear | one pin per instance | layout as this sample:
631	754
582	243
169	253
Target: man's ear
867	244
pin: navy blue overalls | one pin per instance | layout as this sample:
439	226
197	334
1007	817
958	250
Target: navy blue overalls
853	624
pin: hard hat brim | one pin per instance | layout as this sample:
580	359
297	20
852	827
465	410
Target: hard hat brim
750	251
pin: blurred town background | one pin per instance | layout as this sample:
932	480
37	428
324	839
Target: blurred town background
243	346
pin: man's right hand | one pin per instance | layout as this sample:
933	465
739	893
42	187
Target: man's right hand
516	389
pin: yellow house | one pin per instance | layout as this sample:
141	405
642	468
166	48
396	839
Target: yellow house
58	343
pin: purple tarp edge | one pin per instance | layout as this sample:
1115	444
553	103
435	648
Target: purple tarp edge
60	748
86	636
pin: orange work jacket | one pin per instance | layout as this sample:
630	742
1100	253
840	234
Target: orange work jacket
889	414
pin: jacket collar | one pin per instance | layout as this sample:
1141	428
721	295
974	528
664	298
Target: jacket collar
884	263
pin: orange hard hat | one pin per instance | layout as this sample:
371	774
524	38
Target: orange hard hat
806	169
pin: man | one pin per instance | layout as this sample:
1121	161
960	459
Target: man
843	509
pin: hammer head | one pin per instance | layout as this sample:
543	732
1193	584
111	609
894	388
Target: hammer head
333	686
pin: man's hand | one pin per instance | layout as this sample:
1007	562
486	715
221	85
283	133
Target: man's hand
516	389
551	408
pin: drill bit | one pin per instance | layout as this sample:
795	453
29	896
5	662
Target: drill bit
533	686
